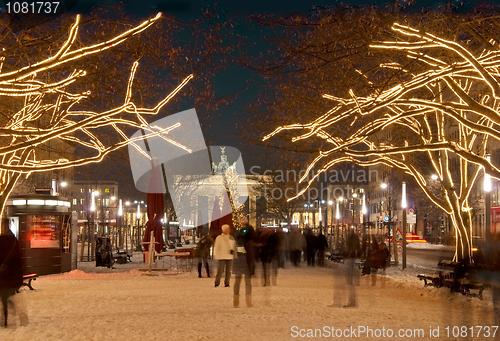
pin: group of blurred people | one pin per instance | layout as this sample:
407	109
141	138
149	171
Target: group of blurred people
237	252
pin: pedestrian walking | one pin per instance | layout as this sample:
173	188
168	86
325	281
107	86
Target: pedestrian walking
242	268
311	248
321	246
268	244
250	238
224	253
203	252
297	244
352	252
11	269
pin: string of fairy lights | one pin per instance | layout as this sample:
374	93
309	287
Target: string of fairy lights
47	113
460	90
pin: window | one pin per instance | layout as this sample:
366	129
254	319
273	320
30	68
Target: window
81	190
82	202
106	190
75	201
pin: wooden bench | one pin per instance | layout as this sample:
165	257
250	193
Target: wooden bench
121	257
27	279
467	285
436	280
336	257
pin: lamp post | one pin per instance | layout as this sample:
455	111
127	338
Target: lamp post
91	249
307	215
487	203
119	223
403	206
365	222
337	216
319	216
391	229
127	203
330	202
138	217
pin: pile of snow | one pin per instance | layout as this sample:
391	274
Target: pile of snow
429	246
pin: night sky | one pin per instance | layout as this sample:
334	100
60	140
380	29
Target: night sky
234	78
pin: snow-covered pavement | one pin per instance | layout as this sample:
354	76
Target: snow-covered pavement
122	304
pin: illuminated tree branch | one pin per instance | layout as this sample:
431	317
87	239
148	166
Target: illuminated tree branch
447	110
52	111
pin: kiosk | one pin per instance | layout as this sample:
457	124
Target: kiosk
42	224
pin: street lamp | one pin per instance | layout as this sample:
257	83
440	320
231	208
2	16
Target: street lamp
91	249
403	206
389	211
138	217
119	223
487	202
337	216
330	202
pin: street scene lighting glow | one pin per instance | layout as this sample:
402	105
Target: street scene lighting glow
434	177
92	204
383	185
120	208
63	184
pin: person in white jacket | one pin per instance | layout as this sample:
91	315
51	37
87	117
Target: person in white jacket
224	251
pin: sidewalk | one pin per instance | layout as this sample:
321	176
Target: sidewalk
117	305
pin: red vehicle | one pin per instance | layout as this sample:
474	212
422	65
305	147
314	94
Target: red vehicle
413	238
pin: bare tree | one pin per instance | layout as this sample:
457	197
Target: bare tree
54	108
434	119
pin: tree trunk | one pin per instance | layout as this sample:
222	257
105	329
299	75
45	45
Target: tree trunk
463	236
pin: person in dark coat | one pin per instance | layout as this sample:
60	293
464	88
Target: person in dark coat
11	268
250	238
203	252
378	258
268	243
321	245
282	247
352	252
311	248
297	244
242	267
